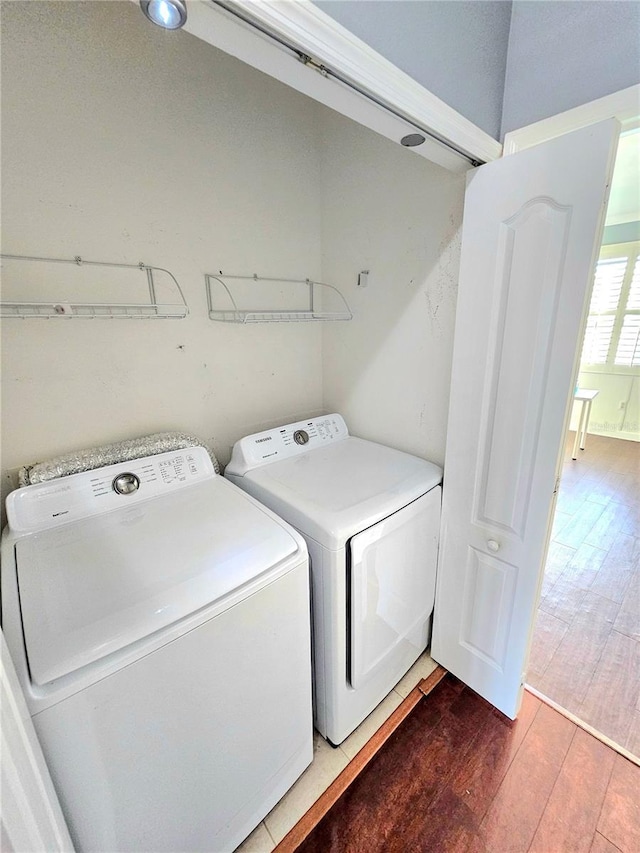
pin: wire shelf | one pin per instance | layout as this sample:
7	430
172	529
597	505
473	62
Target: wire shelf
153	309
316	292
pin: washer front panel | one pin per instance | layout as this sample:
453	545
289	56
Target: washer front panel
393	581
173	752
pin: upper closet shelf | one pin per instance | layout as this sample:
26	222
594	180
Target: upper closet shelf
285	300
62	287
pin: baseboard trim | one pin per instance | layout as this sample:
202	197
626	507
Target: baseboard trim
585	726
319	809
623	435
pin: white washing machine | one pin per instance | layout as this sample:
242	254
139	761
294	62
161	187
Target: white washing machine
371	518
158	618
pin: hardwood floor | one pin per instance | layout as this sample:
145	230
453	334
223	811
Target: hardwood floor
457	775
586	647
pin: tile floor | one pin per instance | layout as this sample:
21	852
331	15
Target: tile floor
586	646
327	764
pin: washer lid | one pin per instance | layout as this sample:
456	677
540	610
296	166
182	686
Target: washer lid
92	587
333	492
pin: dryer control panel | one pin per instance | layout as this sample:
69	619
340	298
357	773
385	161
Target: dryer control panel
59	501
285	441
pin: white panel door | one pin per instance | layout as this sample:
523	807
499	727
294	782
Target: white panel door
531	232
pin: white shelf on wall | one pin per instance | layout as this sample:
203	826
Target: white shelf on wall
123	291
302	300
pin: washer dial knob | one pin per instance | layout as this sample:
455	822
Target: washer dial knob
301	436
126	484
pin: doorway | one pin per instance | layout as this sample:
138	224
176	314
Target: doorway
586	646
585	654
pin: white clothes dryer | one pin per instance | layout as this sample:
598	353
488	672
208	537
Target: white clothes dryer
371	517
158	619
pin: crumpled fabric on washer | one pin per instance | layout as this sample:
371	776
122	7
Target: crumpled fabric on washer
110	454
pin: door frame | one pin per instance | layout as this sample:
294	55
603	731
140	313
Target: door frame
31	815
623	105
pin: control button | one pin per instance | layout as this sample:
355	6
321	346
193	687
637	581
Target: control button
300	436
126	484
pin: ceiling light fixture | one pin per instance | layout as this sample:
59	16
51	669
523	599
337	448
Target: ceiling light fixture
170	14
412	139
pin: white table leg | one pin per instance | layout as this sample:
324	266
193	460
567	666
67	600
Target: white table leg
585	426
584	396
576	442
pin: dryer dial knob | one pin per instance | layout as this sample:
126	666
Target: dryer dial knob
301	436
126	484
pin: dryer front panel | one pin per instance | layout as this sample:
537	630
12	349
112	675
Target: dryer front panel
392	586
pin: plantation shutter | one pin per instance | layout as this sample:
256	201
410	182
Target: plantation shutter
612	335
628	351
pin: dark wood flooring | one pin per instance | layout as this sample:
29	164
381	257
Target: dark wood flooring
586	647
457	775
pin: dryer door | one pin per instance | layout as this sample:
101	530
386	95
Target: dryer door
393	572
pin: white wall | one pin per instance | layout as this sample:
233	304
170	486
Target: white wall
388	370
565	53
123	142
607	416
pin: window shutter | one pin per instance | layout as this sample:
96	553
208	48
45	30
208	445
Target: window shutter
597	340
612	335
628	352
633	302
607	286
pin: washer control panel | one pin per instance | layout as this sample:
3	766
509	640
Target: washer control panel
284	442
45	505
